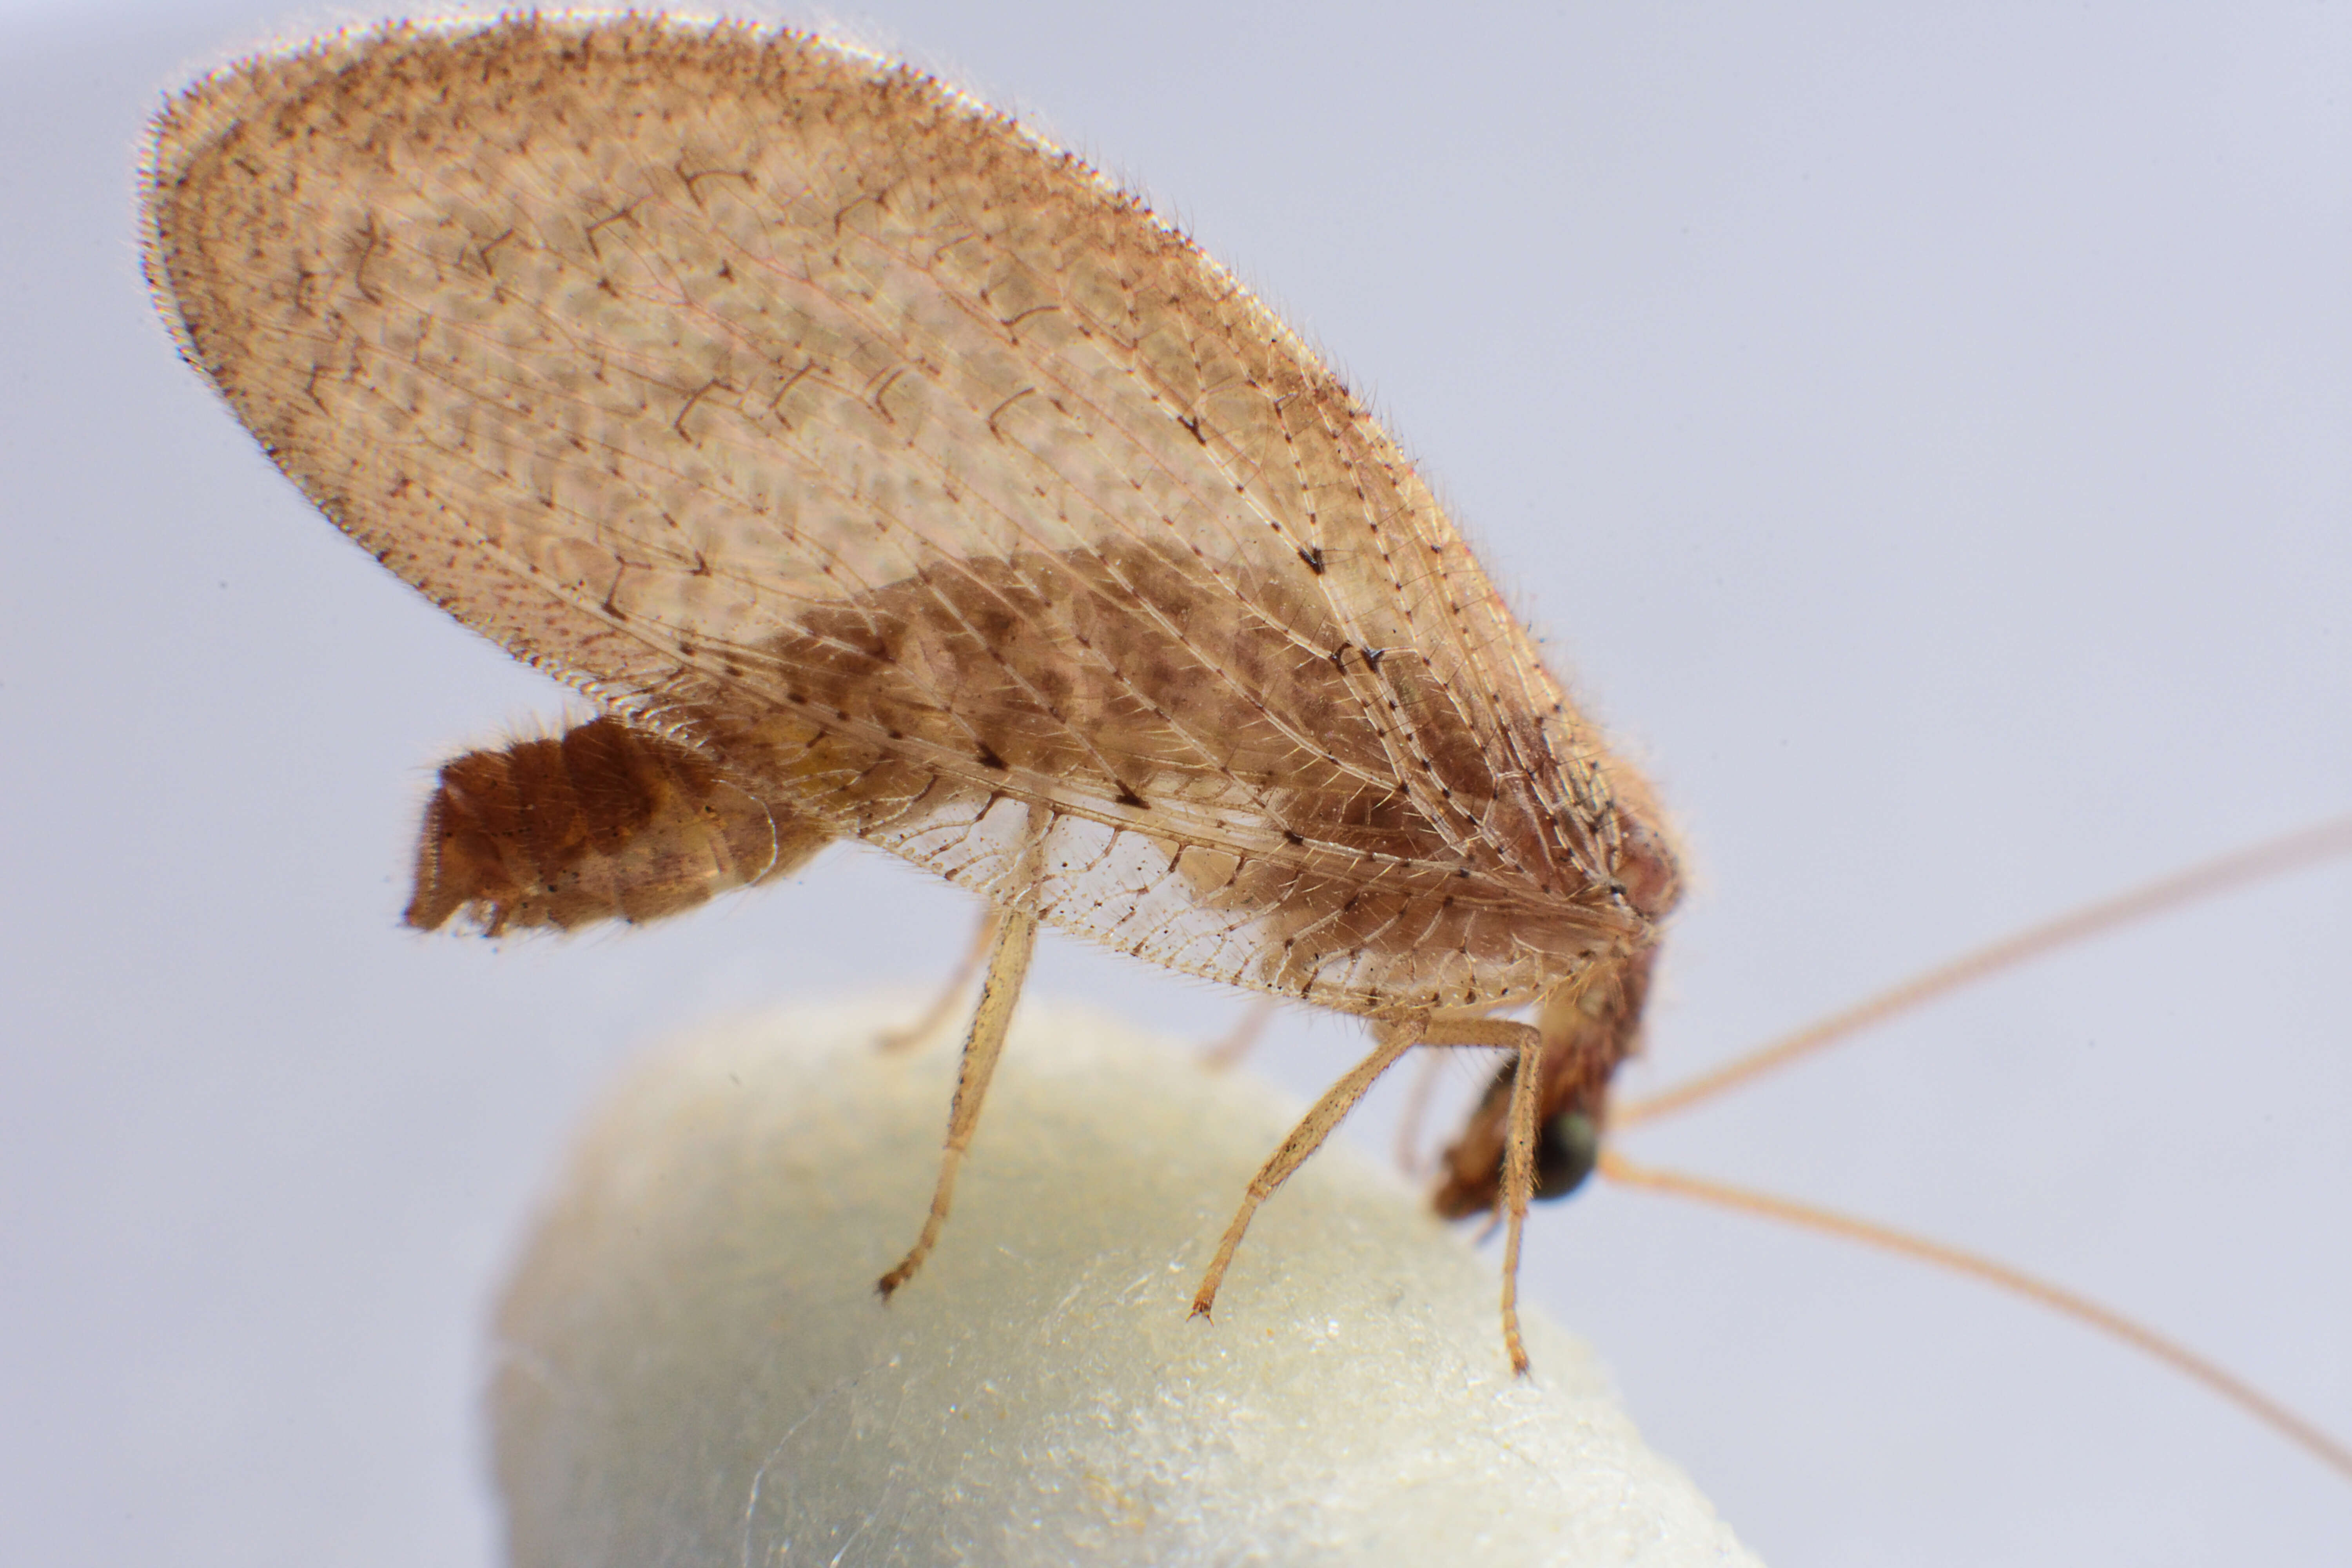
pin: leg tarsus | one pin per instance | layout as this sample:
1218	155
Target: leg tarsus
1008	965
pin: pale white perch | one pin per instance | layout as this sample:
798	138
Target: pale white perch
693	1367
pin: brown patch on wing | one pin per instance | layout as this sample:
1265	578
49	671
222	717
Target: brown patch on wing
1119	677
1129	688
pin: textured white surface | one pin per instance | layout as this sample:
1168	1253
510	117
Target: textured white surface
694	1367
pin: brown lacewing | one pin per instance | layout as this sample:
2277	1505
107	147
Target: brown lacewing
883	472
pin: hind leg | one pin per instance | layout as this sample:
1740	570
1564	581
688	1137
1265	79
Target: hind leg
1008	966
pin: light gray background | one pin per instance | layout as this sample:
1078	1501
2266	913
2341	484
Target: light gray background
1927	438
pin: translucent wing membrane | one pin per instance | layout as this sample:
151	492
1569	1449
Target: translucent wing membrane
805	412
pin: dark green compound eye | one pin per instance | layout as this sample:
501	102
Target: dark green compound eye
1567	1148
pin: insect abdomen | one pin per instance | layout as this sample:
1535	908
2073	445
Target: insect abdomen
606	822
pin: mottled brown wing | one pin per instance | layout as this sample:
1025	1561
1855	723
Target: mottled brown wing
803	410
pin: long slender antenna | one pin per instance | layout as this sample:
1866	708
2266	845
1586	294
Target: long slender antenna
1869	1233
2272	858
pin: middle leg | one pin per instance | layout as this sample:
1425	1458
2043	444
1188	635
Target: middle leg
1393	1041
